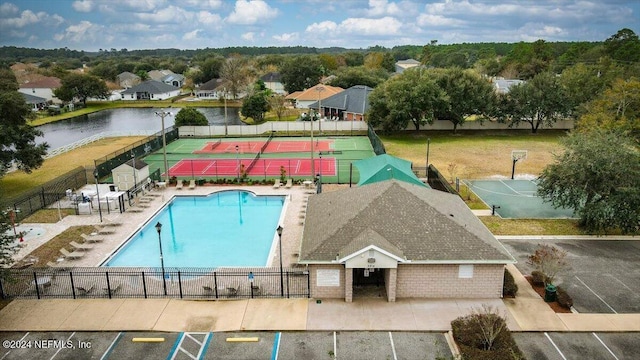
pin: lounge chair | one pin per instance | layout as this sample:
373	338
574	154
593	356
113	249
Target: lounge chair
91	238
179	185
84	289
289	184
82	247
255	289
114	289
52	264
71	255
277	184
231	291
192	184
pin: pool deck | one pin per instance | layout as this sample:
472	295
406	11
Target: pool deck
127	223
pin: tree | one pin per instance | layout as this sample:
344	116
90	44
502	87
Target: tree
235	73
209	69
467	94
540	102
191	116
301	72
623	46
408	97
598	175
7	242
278	104
582	83
79	86
351	76
255	106
549	260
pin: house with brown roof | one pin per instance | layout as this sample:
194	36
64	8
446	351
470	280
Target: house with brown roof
399	240
42	88
302	99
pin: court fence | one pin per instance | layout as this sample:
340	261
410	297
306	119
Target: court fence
378	145
182	283
302	128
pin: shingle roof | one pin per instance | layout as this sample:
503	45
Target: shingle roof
312	93
271	77
139	164
212	84
45	83
355	100
172	77
32	99
127	76
406	220
151	87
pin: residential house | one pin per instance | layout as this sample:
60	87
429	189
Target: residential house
42	88
403	65
273	82
213	89
502	86
150	90
350	104
157	75
126	80
35	102
302	99
399	240
176	80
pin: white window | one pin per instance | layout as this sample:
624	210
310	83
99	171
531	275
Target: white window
465	272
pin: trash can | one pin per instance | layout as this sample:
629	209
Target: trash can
550	293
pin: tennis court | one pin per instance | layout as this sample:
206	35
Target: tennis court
516	199
263	158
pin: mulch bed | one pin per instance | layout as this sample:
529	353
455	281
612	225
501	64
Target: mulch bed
540	290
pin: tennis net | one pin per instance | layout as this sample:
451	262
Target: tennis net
216	144
266	143
253	163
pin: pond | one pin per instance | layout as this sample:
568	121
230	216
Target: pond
68	131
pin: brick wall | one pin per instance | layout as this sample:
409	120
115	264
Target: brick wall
390	282
441	281
327	292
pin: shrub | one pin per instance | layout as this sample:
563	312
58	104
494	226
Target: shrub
563	298
484	335
509	286
537	278
549	260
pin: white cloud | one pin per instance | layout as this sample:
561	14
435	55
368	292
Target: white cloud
382	7
84	32
170	14
7	9
323	27
249	12
191	35
83	6
202	4
207	18
287	37
249	36
437	21
28	17
362	26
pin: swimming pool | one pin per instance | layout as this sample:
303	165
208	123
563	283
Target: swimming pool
228	228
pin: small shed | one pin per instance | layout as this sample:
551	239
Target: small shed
127	175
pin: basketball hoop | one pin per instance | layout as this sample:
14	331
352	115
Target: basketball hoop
517	155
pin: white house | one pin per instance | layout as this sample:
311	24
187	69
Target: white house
273	82
403	65
213	89
42	88
502	86
150	90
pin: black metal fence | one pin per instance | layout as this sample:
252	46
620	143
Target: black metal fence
185	283
47	194
378	146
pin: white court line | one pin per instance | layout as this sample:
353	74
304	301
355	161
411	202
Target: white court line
393	347
555	346
605	346
514	190
594	293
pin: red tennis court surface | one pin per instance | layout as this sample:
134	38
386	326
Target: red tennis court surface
273	147
269	167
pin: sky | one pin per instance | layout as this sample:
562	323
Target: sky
91	25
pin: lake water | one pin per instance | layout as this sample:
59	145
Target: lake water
68	131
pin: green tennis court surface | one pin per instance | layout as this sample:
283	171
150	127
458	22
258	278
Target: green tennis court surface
516	199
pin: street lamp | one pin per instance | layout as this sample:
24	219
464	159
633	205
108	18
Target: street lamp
164	283
319	89
225	111
279	231
95	176
162	115
237	164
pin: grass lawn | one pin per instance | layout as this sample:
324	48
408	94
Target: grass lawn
18	182
499	226
477	154
50	251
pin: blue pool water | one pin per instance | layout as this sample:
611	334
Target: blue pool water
229	228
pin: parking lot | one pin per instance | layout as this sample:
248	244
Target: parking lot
540	346
603	276
256	345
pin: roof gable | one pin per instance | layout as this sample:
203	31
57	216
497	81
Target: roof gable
354	99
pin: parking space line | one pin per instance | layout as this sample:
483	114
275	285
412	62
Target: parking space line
393	347
176	347
8	352
276	347
594	293
555	346
335	346
60	349
203	349
605	346
110	348
621	283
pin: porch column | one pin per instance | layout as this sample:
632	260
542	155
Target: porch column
348	285
391	284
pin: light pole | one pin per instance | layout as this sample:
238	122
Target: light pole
162	115
225	111
95	176
319	89
133	164
279	231
164	283
237	164
319	190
